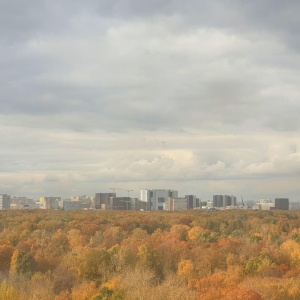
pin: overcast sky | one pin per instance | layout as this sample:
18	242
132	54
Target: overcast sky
198	96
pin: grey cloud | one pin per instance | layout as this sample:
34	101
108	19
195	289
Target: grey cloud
45	16
52	178
193	94
114	92
21	21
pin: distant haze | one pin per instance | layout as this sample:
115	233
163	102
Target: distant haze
198	96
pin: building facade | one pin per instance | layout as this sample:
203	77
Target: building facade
282	203
157	199
177	204
85	201
120	203
102	200
70	205
192	201
224	200
22	203
4	202
50	202
137	204
264	204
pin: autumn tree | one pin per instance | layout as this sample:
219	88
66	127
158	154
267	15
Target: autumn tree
85	290
6	253
149	259
89	263
22	262
8	292
186	269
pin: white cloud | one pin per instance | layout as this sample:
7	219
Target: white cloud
200	97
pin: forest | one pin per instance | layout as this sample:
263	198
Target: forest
120	255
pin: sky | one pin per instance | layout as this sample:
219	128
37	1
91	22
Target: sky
197	96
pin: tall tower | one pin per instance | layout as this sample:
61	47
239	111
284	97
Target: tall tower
4	202
191	201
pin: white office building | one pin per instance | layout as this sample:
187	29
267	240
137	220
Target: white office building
264	204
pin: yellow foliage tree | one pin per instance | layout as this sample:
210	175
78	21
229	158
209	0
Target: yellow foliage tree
75	238
186	269
85	290
7	292
292	250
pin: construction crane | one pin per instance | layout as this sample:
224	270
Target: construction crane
122	189
128	191
114	188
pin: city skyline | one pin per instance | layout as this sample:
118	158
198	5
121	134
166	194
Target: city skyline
149	200
200	97
134	194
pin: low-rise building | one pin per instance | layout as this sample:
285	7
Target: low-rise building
264	204
85	201
23	203
294	205
137	204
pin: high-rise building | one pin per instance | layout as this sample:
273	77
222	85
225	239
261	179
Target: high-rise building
157	199
282	203
224	200
69	205
50	202
4	202
120	203
102	200
177	204
218	200
191	201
